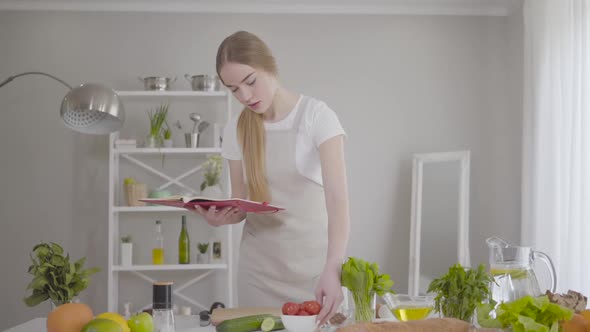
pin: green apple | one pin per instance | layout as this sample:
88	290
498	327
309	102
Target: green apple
141	322
102	325
129	181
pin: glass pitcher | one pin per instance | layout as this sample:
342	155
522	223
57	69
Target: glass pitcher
512	269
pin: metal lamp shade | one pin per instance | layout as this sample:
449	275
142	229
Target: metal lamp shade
92	109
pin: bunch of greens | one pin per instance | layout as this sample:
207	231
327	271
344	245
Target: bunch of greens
460	291
55	277
363	280
526	314
157	119
212	171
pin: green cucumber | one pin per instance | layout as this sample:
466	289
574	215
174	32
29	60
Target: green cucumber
248	324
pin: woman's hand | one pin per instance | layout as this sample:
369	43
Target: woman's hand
329	293
227	216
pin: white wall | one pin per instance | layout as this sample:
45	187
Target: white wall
400	84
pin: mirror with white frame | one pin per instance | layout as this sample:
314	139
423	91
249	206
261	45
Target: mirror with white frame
439	235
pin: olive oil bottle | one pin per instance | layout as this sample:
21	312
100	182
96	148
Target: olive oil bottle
158	249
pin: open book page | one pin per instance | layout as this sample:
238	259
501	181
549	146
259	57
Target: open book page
189	202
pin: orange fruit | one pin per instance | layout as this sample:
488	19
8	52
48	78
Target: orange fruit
69	317
577	324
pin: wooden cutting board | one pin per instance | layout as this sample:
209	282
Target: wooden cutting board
221	314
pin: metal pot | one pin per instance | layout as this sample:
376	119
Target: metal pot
204	82
158	83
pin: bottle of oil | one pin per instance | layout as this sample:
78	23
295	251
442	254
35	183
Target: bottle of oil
184	245
158	249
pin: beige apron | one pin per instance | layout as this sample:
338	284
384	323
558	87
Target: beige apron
283	254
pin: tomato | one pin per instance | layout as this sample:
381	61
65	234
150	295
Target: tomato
302	313
290	308
312	307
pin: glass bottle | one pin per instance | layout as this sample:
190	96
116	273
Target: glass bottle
184	245
158	249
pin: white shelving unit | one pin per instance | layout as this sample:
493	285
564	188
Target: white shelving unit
118	212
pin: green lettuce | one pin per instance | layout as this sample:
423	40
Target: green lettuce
527	314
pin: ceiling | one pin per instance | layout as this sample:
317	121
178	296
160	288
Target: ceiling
367	7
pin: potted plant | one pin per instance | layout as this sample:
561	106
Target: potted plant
157	120
134	191
212	173
126	251
167	134
55	278
460	291
202	257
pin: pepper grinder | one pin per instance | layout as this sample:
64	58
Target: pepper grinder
163	315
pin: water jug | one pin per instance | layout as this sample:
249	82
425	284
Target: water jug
512	269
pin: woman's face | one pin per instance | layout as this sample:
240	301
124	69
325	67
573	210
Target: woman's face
254	88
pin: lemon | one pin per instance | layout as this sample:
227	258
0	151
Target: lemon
115	317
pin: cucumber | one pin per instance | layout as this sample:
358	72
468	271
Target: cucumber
248	324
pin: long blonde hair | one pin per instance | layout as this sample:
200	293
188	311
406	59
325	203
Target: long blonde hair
246	48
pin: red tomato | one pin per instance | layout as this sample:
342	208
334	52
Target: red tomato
302	313
290	308
312	307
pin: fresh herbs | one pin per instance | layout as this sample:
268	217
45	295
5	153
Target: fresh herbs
55	277
460	291
363	280
526	314
157	119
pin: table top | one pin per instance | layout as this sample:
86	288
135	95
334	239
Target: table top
38	325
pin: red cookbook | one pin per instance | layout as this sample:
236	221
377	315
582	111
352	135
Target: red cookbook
189	203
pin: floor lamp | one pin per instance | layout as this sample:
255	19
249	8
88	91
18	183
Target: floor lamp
88	108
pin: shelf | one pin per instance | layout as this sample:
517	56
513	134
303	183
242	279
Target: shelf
172	93
147	209
170	267
165	150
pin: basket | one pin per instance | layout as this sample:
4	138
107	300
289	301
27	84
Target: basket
135	192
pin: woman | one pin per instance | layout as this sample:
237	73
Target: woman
286	149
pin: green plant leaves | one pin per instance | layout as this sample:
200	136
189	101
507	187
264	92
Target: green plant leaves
55	276
460	291
157	119
361	276
212	171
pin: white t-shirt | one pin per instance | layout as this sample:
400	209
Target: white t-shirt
318	124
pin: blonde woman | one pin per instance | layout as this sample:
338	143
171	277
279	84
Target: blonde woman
290	149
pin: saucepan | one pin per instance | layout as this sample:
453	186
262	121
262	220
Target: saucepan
204	82
159	83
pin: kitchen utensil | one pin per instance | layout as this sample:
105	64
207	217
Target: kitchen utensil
512	269
202	126
157	83
196	117
204	82
192	140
